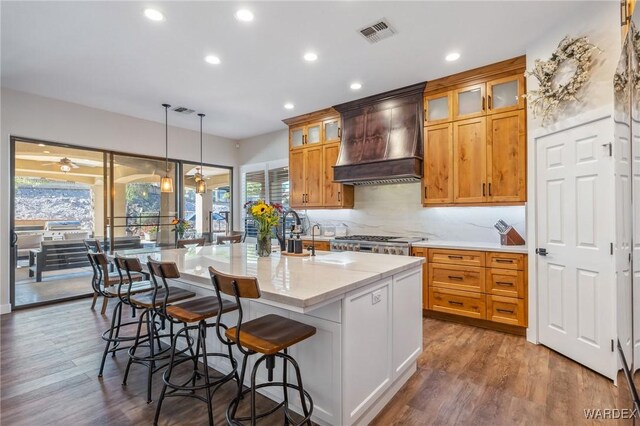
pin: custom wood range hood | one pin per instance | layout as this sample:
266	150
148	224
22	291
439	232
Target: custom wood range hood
381	138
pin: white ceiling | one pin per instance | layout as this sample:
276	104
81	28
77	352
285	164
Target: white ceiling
108	55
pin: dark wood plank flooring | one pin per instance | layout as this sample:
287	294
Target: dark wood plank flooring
49	359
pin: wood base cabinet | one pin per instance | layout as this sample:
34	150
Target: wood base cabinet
489	286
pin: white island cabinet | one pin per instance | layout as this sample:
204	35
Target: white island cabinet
366	309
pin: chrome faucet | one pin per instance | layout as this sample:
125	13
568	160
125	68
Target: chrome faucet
282	238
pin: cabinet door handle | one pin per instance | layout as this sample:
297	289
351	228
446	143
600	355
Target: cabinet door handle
623	12
504	283
339	196
453	302
455	277
484	189
489	103
425	193
489	189
483	103
454	257
504	311
339	132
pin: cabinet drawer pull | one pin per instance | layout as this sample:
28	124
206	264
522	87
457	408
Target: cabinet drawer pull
454	257
505	311
498	260
489	189
484	192
453	302
504	283
455	277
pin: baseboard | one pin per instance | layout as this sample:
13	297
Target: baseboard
5	309
505	328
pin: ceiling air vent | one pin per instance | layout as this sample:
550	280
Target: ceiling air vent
184	110
378	31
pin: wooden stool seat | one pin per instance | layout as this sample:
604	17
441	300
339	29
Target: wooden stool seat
136	287
199	309
176	294
271	333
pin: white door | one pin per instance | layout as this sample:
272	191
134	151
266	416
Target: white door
576	287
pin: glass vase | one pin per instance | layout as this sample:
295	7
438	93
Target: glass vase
264	245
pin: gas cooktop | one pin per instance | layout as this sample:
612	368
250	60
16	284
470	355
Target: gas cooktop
374	244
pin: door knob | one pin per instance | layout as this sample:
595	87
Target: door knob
541	251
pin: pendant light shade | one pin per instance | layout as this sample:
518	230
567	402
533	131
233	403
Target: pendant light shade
166	183
201	185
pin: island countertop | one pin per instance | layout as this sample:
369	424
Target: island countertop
300	282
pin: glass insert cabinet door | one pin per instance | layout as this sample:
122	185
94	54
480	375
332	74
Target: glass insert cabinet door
438	108
469	101
314	133
505	94
296	136
331	129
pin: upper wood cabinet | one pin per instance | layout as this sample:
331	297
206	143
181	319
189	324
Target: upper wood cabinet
305	177
469	102
506	157
331	130
314	141
505	94
469	160
334	194
438	164
438	108
475	137
307	134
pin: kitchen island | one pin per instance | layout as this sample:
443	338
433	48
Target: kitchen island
366	309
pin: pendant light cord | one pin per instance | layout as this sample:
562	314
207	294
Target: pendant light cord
201	164
166	138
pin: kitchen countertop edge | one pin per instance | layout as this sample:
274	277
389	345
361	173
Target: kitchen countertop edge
465	245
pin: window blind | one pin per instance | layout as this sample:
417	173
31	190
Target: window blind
279	186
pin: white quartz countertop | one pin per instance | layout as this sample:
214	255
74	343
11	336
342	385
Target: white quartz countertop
300	282
464	245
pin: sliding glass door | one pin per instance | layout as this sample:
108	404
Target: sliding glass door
63	195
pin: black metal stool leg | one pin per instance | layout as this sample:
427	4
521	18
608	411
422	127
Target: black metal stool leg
303	400
119	322
134	347
167	374
152	365
285	389
110	340
253	389
202	333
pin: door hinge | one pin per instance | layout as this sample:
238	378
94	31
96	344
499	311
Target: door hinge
611	248
610	145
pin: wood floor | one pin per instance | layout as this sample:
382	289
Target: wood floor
49	358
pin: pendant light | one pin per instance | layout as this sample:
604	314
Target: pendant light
201	185
166	183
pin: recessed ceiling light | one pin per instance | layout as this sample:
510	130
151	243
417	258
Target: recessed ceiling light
212	59
154	15
454	56
244	15
356	86
288	105
310	57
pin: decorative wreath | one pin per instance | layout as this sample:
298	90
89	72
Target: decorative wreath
551	96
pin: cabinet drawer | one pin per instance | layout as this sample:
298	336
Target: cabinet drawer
320	245
505	260
463	303
466	278
505	282
507	310
457	257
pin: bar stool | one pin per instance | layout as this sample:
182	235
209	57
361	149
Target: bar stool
154	305
112	334
102	278
197	311
271	336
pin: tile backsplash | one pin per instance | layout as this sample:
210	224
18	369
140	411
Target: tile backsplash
396	210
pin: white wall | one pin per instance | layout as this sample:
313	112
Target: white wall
37	117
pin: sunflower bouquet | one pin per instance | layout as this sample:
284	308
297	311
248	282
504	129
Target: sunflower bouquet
266	216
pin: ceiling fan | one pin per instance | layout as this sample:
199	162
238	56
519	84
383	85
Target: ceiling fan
65	165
